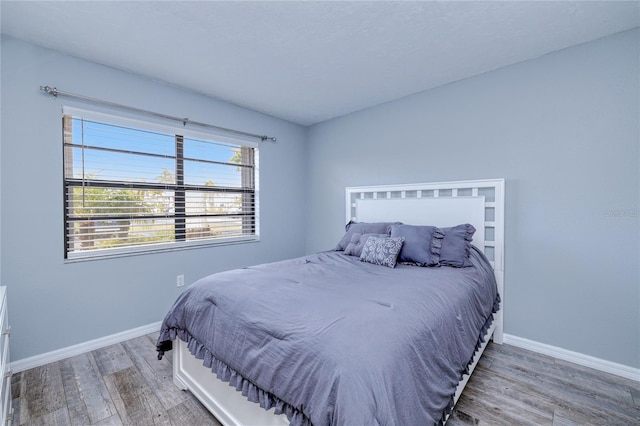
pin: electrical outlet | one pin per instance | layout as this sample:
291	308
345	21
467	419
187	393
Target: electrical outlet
180	280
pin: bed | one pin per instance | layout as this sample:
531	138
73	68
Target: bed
328	339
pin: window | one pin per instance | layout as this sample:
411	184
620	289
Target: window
131	186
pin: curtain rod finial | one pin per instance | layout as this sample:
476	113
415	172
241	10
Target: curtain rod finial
50	90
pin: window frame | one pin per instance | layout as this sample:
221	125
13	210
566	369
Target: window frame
177	244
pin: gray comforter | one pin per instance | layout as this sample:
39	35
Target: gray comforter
330	340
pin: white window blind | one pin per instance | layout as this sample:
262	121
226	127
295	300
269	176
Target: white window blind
131	186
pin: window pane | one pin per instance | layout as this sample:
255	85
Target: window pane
212	174
212	151
98	202
104	135
104	234
213	203
221	227
117	166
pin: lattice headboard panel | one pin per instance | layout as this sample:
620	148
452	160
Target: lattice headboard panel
479	202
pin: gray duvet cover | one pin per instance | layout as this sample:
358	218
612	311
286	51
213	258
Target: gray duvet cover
330	340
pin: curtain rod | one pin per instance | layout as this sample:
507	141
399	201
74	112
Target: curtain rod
55	93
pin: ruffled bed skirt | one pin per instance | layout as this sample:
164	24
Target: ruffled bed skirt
227	374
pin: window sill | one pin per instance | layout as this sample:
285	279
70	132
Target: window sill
153	249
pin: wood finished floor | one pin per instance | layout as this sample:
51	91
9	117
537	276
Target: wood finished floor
125	384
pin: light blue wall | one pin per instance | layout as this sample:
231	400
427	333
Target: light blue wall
55	305
563	130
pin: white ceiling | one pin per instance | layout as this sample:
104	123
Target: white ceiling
309	61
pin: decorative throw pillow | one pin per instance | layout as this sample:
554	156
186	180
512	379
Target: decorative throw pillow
421	244
354	248
456	245
382	251
362	228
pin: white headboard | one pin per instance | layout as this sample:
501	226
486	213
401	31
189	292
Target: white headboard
442	204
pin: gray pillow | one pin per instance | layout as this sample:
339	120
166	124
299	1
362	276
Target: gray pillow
456	246
421	244
354	248
382	251
362	228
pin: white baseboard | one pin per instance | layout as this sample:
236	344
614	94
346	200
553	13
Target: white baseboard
531	345
81	348
575	357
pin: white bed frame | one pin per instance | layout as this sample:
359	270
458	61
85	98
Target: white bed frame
478	202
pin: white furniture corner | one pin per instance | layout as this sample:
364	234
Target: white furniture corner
6	411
